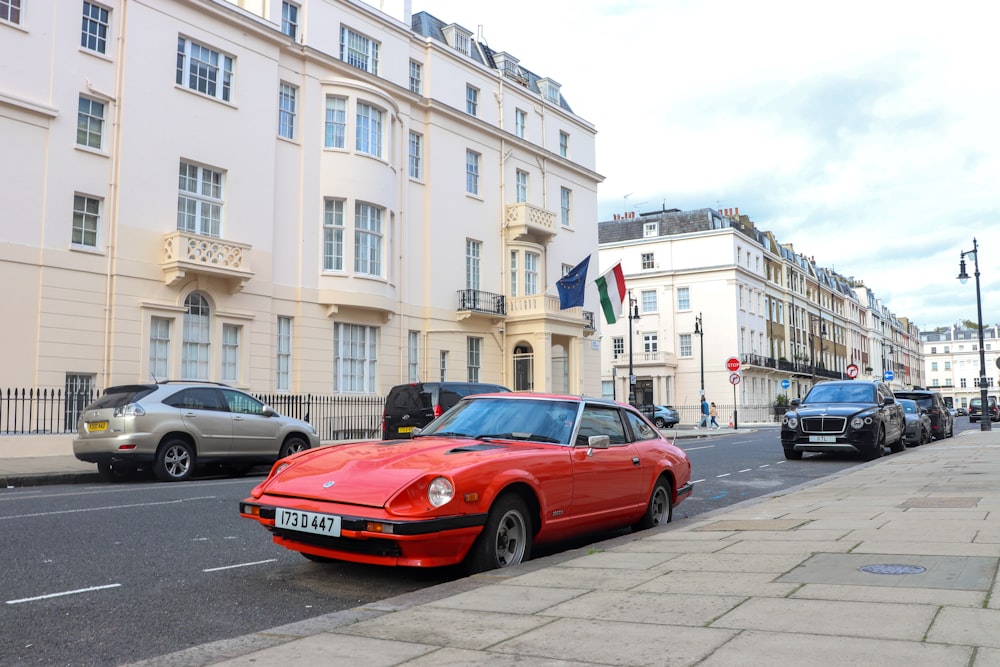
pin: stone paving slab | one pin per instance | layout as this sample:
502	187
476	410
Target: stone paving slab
324	649
757	649
951	572
738	584
932	596
636	644
833	617
972	627
652	608
582	577
510	599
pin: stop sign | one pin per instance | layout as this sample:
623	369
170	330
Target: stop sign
732	364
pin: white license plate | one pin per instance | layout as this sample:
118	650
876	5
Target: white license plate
822	438
307	522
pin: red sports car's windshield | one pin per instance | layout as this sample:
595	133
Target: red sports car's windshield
486	417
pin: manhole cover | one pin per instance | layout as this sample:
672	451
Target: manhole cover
892	569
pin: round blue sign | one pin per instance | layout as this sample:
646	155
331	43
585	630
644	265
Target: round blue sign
786	383
888	376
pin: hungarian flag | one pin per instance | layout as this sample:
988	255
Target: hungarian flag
611	286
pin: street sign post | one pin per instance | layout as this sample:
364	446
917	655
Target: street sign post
734	379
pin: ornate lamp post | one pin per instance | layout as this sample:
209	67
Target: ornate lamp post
822	332
700	330
633	314
986	419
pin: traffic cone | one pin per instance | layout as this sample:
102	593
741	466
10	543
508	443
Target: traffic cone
730	423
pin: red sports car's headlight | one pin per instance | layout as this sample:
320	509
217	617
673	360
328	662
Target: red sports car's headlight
440	492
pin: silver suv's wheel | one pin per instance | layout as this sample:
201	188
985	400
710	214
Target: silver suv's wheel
174	461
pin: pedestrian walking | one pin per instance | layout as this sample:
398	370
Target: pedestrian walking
714	414
704	414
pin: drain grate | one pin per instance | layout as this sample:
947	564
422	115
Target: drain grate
892	569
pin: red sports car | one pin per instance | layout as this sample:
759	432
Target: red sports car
480	485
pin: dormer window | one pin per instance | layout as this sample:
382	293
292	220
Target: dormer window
508	66
459	38
550	90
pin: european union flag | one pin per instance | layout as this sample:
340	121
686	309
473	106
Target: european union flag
571	286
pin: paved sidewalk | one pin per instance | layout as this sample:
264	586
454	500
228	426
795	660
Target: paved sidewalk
894	562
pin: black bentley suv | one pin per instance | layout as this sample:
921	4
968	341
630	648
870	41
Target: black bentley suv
856	416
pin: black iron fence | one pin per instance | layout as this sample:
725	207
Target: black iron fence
55	411
334	417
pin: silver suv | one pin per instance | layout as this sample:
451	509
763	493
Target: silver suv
172	427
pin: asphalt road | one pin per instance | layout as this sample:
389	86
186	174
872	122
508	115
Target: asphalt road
114	573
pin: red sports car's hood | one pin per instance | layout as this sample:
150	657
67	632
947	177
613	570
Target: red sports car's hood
370	473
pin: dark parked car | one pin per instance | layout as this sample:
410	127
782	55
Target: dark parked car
918	423
855	416
976	409
942	421
662	416
415	405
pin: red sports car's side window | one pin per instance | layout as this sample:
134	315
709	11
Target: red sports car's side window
640	428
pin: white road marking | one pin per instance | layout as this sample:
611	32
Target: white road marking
697	481
745	470
691	449
230	567
56	595
108	507
725	474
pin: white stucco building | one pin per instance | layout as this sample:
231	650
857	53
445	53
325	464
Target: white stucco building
708	286
306	197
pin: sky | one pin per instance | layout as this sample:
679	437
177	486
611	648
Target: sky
866	134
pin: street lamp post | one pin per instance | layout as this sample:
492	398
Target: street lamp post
986	418
822	330
700	330
633	314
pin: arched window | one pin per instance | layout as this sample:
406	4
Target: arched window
197	343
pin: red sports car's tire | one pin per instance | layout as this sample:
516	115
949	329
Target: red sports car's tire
660	509
506	537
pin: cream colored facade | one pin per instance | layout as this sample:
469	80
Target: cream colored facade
753	298
202	190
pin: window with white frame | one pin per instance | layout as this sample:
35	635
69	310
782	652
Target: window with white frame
159	347
196	350
443	365
10	11
617	347
647	261
355	358
199	200
368	239
230	353
359	51
471	100
86	220
90	123
416	77
290	19
204	70
683	298
416	155
648	299
684	346
286	110
520	122
530	273
513	273
284	354
650	230
413	356
521	185
565	206
650	342
336	122
563	144
472	160
474	349
369	130
94	35
333	234
473	252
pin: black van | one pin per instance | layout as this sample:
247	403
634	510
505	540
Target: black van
410	406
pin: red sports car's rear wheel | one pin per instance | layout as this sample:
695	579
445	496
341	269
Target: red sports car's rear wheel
660	509
506	537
